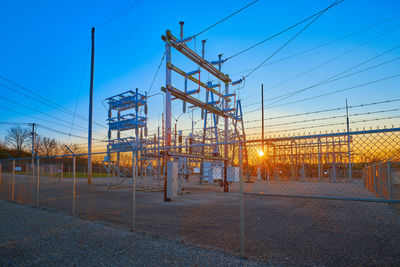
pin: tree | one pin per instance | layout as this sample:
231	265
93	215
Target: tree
17	138
50	146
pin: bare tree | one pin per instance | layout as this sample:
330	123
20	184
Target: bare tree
50	146
17	138
74	147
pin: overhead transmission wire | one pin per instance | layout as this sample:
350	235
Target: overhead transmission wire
27	107
329	61
316	112
327	125
326	110
35	110
332	78
118	14
49	103
327	118
283	31
38	118
334	92
155	75
324	44
291	39
324	82
79	89
222	20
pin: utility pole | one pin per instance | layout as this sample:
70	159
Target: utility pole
348	139
91	114
33	149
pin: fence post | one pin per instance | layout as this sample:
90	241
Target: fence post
13	178
374	177
380	180
62	171
73	183
389	180
241	202
37	183
133	189
0	172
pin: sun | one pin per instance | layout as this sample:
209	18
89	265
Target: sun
261	153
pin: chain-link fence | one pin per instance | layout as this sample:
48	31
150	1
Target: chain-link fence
323	199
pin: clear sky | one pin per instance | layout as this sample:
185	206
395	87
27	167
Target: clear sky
44	46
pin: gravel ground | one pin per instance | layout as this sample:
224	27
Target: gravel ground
36	237
282	231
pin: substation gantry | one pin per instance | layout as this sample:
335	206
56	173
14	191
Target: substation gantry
219	102
131	114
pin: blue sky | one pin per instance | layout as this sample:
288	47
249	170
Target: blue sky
45	46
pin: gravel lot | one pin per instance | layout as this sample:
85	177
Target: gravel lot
305	232
36	237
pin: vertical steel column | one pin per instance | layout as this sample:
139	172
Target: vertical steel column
348	139
389	180
167	108
319	158
158	155
241	202
226	139
90	114
291	157
37	183
133	190
374	175
73	184
380	179
13	180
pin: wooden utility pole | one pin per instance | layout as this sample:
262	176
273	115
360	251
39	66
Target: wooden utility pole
90	114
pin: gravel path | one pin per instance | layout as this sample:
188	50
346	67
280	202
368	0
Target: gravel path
36	237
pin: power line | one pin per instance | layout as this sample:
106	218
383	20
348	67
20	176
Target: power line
41	119
332	79
333	92
80	88
327	125
49	103
222	20
329	61
30	108
291	39
155	75
283	31
328	118
327	110
118	14
324	44
61	132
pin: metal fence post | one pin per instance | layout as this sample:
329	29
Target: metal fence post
73	184
241	202
374	177
37	183
13	178
0	173
380	179
133	189
389	180
62	171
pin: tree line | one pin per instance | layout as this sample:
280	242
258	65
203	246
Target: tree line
19	140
